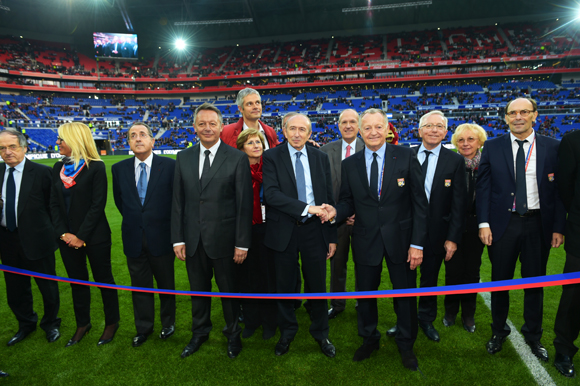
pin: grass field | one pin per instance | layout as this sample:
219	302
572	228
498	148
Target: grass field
459	359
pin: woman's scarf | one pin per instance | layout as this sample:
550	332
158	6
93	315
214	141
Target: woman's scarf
68	173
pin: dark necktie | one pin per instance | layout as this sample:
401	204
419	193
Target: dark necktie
142	183
425	165
521	191
300	179
206	167
10	202
374	184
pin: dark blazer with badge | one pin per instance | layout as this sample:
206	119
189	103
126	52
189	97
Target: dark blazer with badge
219	212
153	217
496	186
392	223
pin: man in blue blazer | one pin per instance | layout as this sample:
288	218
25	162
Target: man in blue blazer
520	214
143	188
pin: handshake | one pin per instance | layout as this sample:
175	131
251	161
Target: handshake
325	212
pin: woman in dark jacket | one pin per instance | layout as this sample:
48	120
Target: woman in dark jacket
464	267
78	199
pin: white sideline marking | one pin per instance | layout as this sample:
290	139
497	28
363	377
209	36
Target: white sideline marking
538	371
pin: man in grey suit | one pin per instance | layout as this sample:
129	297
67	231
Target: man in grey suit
338	151
211	223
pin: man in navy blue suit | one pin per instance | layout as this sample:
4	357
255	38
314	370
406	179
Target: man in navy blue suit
520	214
143	188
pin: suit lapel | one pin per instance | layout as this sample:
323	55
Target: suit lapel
441	162
336	157
362	172
509	156
287	161
218	160
155	172
130	178
540	157
25	186
359	145
390	163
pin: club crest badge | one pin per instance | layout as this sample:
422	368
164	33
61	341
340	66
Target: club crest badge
447	183
551	177
401	182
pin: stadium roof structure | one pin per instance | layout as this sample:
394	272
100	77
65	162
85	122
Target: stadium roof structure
156	20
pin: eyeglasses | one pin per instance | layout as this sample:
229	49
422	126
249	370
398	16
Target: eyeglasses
523	113
59	139
431	126
11	148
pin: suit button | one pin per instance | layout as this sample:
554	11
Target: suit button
512	194
509	210
201	202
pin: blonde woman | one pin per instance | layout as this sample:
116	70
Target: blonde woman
79	195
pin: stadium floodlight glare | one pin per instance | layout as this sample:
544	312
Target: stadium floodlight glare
180	44
209	22
387	6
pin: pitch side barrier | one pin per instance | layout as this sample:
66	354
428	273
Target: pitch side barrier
504	285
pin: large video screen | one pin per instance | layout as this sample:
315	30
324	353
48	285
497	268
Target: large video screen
112	45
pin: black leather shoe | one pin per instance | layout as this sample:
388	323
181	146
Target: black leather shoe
448	320
19	336
234	347
468	324
564	365
72	341
409	360
52	335
108	340
430	331
327	347
538	350
139	339
3	374
393	331
194	345
365	351
282	346
494	344
333	313
166	332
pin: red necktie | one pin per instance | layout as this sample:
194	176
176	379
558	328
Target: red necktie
347	151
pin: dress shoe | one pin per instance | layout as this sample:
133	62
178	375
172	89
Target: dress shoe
448	320
194	345
81	332
19	336
282	346
333	313
430	331
3	374
409	360
139	339
103	340
268	333
52	335
327	347
538	350
166	332
393	331
494	344
234	347
564	365
468	324
365	351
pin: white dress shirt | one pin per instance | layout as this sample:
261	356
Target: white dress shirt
148	162
533	194
307	177
352	148
17	174
212	151
433	158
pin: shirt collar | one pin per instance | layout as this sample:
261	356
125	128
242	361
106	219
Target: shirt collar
19	167
245	127
148	161
212	149
435	151
529	138
345	144
294	151
380	152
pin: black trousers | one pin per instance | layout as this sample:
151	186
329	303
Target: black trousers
18	287
567	325
75	262
257	274
369	279
429	269
142	270
463	268
200	270
338	266
307	242
523	238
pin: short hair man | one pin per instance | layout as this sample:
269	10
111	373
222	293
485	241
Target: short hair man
337	151
296	182
382	186
520	214
143	187
250	106
211	223
27	237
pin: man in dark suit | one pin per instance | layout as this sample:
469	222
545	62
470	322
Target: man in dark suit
296	182
382	186
338	151
567	323
211	223
27	238
445	188
520	214
250	106
143	187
